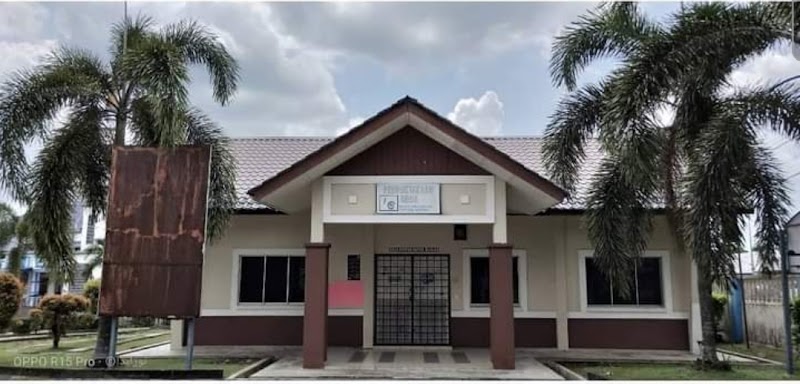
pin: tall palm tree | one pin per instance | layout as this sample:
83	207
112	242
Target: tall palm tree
707	167
143	91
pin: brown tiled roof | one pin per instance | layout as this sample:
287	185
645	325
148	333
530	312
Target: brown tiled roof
261	158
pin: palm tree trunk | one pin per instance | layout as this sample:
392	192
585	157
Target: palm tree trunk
101	346
709	346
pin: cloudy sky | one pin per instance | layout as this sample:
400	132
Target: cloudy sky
320	68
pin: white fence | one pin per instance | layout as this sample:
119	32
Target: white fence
763	298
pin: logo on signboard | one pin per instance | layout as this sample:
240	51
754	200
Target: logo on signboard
388	204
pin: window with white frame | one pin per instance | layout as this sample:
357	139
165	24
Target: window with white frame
647	277
477	283
271	279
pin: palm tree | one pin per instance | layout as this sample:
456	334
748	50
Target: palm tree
142	91
707	167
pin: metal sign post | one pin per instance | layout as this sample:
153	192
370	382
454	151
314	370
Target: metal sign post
111	360
189	343
787	320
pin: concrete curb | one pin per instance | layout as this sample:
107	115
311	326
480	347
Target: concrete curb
143	347
252	368
746	356
565	372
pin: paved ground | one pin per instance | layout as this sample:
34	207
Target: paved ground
468	364
350	363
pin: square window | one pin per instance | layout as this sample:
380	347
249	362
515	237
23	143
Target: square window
479	280
646	278
271	279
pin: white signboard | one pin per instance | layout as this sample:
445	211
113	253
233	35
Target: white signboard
408	198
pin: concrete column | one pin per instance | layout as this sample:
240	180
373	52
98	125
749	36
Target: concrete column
501	290
315	320
562	309
501	299
695	326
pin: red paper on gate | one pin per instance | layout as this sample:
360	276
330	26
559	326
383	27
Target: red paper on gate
346	294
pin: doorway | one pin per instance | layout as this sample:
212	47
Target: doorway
412	299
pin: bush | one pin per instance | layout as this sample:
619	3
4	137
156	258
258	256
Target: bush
57	310
10	298
21	326
83	321
718	304
91	290
142	321
37	319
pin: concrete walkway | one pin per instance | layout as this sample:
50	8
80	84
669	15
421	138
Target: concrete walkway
458	364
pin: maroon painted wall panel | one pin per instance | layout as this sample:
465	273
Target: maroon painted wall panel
155	231
528	333
273	330
408	152
629	333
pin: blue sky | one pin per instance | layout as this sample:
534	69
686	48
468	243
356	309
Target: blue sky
320	68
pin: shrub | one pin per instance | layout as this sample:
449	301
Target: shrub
21	326
37	319
57	310
83	321
10	298
718	304
91	290
142	321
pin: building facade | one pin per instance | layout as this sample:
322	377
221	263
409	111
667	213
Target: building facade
409	231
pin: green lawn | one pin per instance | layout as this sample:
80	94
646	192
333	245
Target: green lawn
622	371
759	350
40	354
229	366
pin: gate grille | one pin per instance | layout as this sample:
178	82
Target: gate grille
412	299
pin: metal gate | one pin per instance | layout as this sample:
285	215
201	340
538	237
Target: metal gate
412	299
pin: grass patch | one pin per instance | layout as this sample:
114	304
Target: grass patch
762	351
622	371
228	365
39	354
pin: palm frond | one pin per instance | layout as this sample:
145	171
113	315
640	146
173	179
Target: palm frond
30	100
222	192
160	70
200	46
777	108
613	29
572	124
618	223
59	166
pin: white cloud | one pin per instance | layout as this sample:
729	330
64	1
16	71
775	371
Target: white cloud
483	117
419	36
774	65
17	55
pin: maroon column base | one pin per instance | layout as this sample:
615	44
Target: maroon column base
315	321
501	304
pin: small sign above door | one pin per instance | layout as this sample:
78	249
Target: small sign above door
408	198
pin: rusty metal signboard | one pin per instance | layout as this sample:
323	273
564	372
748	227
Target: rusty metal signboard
155	231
